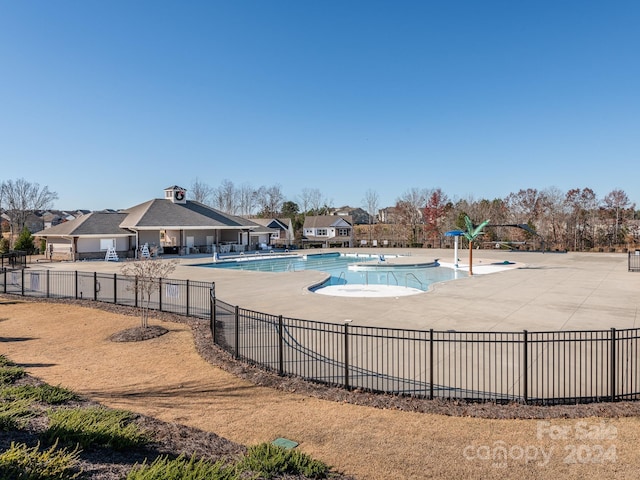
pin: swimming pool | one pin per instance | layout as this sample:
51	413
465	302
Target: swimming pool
350	269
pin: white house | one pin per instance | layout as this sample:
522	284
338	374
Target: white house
327	231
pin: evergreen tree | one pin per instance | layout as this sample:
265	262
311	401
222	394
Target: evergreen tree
25	241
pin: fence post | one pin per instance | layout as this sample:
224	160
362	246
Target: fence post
280	346
48	282
431	364
346	354
160	294
237	336
115	288
212	312
612	364
4	274
135	291
95	286
187	297
525	367
22	286
75	284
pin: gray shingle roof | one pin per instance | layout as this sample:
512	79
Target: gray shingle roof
161	213
96	223
324	221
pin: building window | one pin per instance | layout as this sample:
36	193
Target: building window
343	232
107	243
321	232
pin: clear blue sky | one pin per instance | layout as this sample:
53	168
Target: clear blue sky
109	102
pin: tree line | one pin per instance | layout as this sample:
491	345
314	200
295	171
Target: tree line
575	220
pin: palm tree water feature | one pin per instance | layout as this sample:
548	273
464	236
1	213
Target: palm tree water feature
471	234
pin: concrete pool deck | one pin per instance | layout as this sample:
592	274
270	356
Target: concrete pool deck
538	292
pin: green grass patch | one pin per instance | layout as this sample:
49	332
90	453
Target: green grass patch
94	427
10	373
13	415
183	468
270	460
5	362
22	462
41	393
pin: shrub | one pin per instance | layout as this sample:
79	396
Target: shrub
13	415
41	393
182	468
22	462
269	460
94	426
9	374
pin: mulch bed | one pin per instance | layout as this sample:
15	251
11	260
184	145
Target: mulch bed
138	334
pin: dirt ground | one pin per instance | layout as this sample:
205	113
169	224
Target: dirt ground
174	379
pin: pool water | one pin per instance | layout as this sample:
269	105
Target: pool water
348	269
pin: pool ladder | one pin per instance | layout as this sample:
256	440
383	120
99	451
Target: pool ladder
416	278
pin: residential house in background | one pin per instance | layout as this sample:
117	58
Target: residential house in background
282	234
389	215
357	214
51	218
326	231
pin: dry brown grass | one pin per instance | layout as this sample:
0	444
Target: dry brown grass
168	379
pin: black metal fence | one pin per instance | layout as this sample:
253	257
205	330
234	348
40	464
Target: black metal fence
13	259
527	367
183	297
634	261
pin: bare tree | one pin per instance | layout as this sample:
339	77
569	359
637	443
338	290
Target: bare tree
270	201
410	211
147	277
616	204
313	202
525	206
553	217
371	202
21	199
201	192
246	199
581	204
225	197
